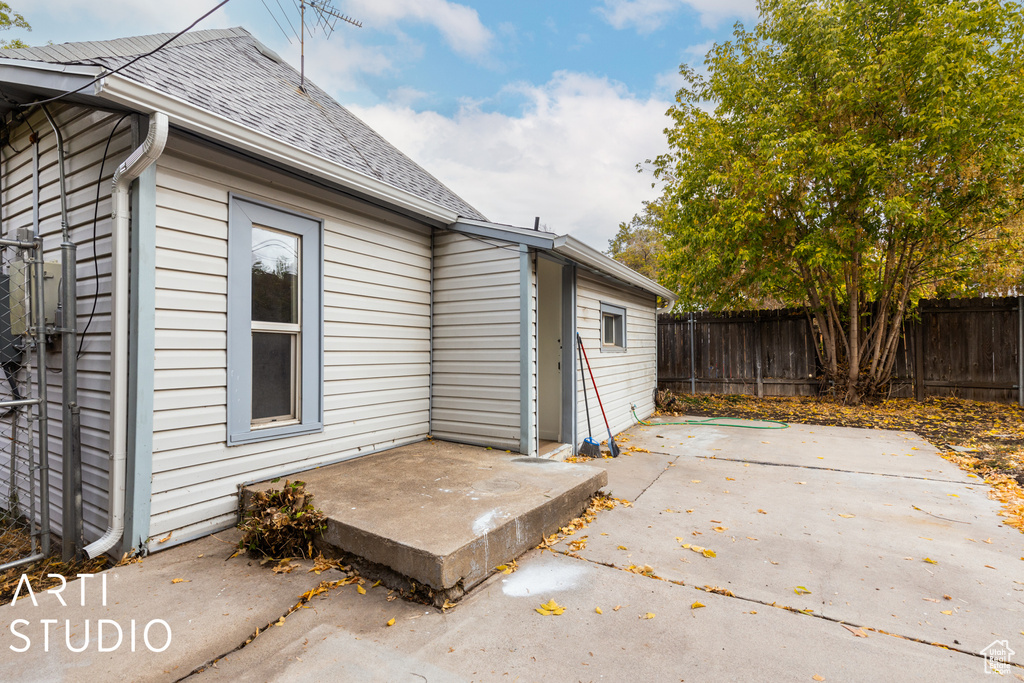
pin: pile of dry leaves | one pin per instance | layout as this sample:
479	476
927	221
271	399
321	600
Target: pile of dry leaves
282	523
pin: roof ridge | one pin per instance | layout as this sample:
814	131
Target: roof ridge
64	53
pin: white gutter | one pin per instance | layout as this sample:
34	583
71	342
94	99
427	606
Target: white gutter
139	160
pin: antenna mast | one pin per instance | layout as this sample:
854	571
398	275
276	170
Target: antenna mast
327	17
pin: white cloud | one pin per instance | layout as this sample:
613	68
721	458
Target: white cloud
90	20
649	15
460	25
341	65
569	157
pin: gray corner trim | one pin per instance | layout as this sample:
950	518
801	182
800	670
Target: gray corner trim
430	343
525	414
613	309
529	238
569	368
141	370
242	213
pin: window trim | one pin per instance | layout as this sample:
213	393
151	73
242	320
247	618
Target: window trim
243	212
620	312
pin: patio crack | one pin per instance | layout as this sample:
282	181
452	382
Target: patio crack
793	610
323	587
653	481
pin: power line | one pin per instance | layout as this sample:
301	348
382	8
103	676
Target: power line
130	62
283	32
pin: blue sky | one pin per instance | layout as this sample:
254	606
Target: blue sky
523	108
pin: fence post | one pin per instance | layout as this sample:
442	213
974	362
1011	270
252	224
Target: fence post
1020	350
919	355
757	356
693	363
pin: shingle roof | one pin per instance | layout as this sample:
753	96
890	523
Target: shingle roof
230	73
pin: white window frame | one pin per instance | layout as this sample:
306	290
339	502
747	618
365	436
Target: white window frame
307	399
618	315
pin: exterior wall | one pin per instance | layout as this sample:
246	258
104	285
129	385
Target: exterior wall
625	377
85	135
476	381
376	337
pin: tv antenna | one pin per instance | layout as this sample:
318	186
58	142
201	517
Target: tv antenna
326	17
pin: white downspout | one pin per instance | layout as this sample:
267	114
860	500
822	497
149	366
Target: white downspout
139	160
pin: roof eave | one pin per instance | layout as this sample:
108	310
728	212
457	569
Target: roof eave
573	249
182	114
567	247
42	80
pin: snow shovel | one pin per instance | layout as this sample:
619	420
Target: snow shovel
590	448
611	440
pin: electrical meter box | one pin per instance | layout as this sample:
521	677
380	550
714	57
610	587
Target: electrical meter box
22	295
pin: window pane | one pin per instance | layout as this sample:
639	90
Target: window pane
275	273
273	375
609	329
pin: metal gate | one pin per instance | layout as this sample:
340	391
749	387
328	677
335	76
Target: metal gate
24	469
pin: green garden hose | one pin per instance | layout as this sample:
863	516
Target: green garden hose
709	422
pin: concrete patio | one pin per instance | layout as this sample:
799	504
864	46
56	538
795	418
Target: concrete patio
441	514
836	524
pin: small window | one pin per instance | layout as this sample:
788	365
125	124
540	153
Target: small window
613	328
275	323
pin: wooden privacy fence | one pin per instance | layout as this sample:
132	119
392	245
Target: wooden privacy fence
969	348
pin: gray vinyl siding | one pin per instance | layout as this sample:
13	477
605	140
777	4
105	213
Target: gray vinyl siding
476	377
623	377
376	338
85	134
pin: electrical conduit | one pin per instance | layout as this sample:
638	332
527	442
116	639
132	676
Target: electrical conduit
139	160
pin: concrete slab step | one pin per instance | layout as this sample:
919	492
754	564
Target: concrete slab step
443	515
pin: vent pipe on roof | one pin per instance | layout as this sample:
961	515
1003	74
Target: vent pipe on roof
139	160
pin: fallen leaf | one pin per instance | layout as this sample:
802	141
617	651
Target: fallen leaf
948	597
598	610
622	547
720	529
695	481
990	566
166	538
360	590
697	605
391	622
817	677
855	631
708	553
846	516
801	482
279	622
930	599
952	495
762	511
800	590
751	538
649	615
616	608
181	580
987	540
930	560
947	611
